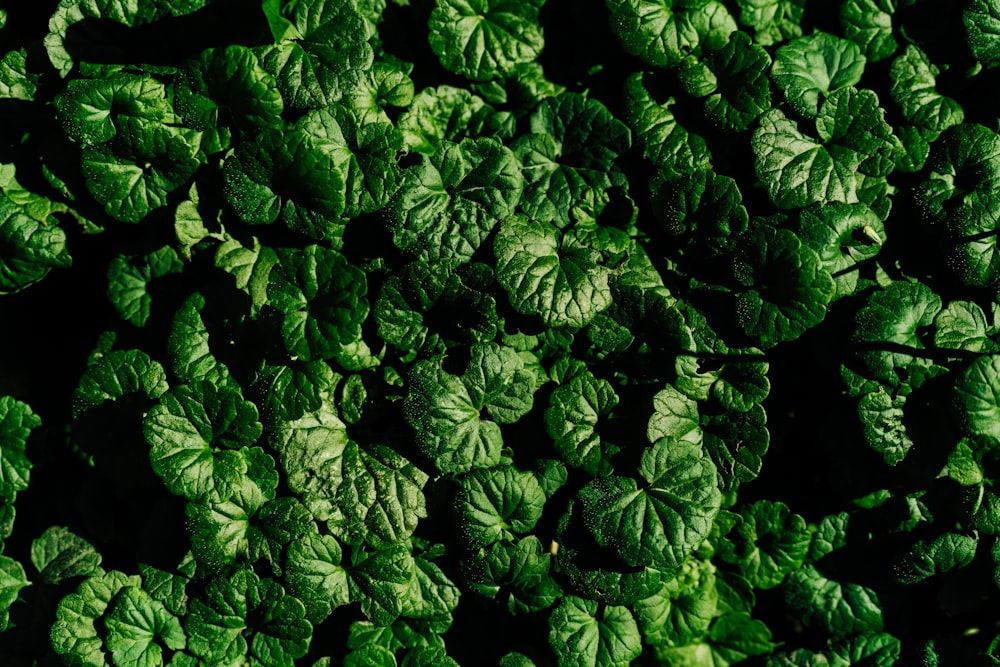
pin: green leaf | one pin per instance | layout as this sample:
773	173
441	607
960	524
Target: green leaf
92	111
292	177
497	504
402	633
386	84
926	558
663	139
841	609
115	375
129	277
887	332
246	618
12	580
661	522
445	113
913	89
316	575
381	580
427	306
798	170
569	157
311	452
29	248
199	434
433	596
518	571
683	610
134	173
485	39
168	587
736	442
964	173
575	410
452	200
228	87
675	416
830	535
976	396
982	30
366	151
189	346
428	656
74	633
736	637
844	236
733	82
586	634
877	649
139	628
882	424
868	23
788	287
288	392
962	325
370	656
70	12
809	68
448	413
662	32
58	554
322	301
546	274
249	266
17	421
852	126
380	495
768	543
773	21
251	526
703	213
16	82
322	44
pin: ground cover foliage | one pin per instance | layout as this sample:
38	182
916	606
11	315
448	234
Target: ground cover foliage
499	332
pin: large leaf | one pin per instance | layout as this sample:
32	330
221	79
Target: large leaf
810	68
733	82
914	90
837	608
29	248
448	413
140	628
198	434
662	521
485	39
129	277
585	634
497	504
982	30
17	421
662	32
322	301
321	46
788	287
450	203
977	396
546	274
135	172
246	618
568	157
575	410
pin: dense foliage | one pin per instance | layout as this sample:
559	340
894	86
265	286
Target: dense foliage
499	332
